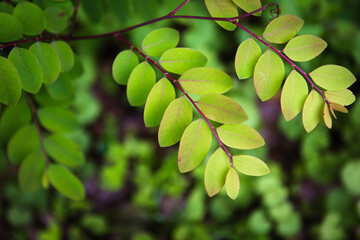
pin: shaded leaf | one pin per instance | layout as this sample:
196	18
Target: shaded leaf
249	5
327	116
6	7
123	64
343	97
223	9
246	57
57	120
160	40
283	28
312	111
232	183
66	5
10	83
56	20
11	28
66	55
304	48
194	145
31	17
250	165
61	89
31	171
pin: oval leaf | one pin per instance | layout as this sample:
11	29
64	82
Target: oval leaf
56	19
205	80
215	172
312	111
250	165
66	55
31	17
221	109
10	83
66	182
343	97
282	29
160	40
249	5
304	48
57	120
31	171
11	28
61	89
293	95
246	57
223	9
194	145
179	60
240	136
327	116
333	77
268	75
178	115
232	183
160	96
123	64
141	80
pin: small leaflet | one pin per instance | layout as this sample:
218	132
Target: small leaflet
246	57
232	183
250	165
249	6
10	83
223	9
123	64
343	97
282	29
304	48
160	40
312	111
327	116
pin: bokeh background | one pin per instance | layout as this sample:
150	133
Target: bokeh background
134	189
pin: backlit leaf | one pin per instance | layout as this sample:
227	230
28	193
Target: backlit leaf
48	59
56	19
327	116
57	120
178	115
246	57
141	80
240	136
293	95
179	60
312	111
215	172
249	5
28	67
61	89
339	108
11	28
333	77
160	40
123	64
66	182
194	145
232	183
250	165
31	17
221	109
268	75
10	83
31	171
66	55
304	48
283	28
160	96
343	97
205	80
223	9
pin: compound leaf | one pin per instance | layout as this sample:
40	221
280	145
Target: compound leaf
249	5
194	145
343	97
223	9
312	111
123	64
304	48
10	83
232	183
31	17
246	57
66	55
31	171
250	165
282	29
327	116
56	19
11	28
57	120
160	40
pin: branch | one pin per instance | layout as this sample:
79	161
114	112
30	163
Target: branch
75	18
178	8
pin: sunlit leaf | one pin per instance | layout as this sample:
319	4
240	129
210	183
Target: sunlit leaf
333	77
123	64
246	57
327	116
57	120
312	111
249	5
65	54
250	165
283	28
141	80
61	89
160	40
232	183
179	60
221	109
178	115
339	108
304	48
293	95
268	75
215	172
10	83
206	80
223	9
31	171
240	136
11	28
31	17
194	145
160	96
56	20
343	97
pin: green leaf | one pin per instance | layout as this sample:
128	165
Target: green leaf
66	5
194	145
304	48
232	183
48	59
205	80
28	67
6	8
179	60
66	182
31	171
24	141
160	96
141	80
223	9
31	17
343	97
160	40
282	29
333	77
123	64
57	120
268	75
215	172
293	95
66	55
56	20
11	28
250	165
327	116
249	5
10	83
246	57
312	111
178	115
221	109
63	150
240	136
61	89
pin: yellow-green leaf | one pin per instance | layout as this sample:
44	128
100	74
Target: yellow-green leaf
11	28
31	17
223	9
57	120
246	57
312	111
66	55
304	48
160	40
232	183
123	64
327	116
10	83
31	171
343	97
282	29
250	165
249	5
240	136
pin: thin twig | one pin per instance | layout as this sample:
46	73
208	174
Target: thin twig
178	8
75	18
